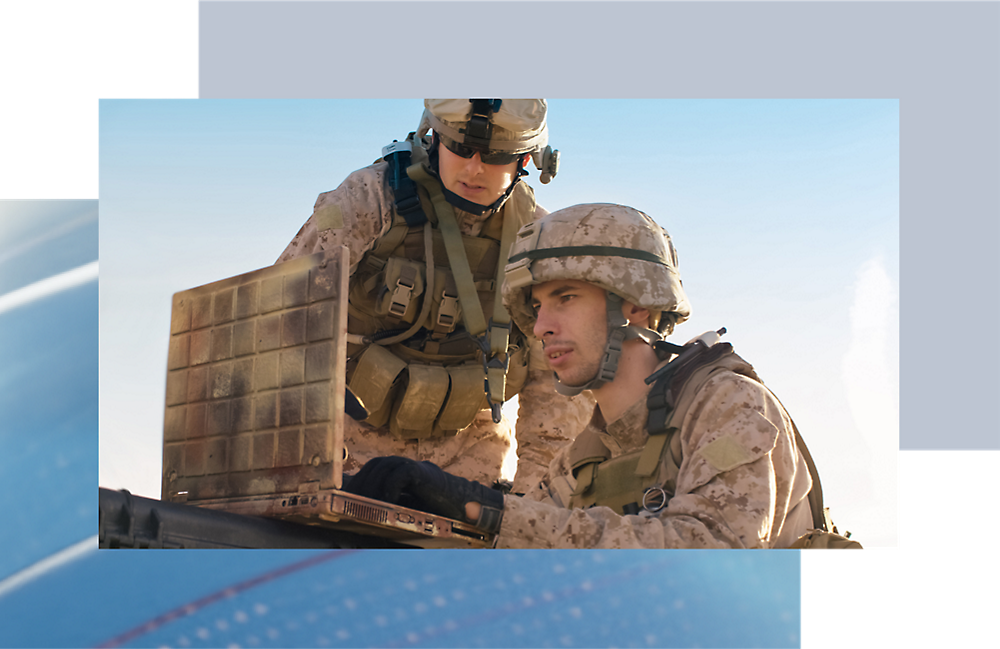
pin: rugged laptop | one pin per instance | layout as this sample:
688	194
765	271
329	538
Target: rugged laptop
255	405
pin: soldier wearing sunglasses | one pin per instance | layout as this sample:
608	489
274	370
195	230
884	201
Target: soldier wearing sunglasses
432	352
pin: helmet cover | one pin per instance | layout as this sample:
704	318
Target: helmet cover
518	126
618	248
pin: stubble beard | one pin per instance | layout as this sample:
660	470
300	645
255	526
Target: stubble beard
588	369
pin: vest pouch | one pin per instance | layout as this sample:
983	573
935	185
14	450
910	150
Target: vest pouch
465	399
414	413
375	380
611	484
399	298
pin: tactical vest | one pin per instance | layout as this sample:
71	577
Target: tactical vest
423	372
644	480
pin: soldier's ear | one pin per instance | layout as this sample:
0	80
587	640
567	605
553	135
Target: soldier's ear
635	315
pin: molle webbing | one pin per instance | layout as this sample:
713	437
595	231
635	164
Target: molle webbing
482	251
425	307
399	251
397	278
495	357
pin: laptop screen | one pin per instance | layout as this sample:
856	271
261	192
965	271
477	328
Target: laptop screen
255	382
253	421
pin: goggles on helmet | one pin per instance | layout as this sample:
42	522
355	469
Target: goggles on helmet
488	157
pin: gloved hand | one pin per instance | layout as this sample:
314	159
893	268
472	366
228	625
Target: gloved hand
425	486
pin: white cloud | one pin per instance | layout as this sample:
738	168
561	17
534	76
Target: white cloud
870	372
871	365
49	286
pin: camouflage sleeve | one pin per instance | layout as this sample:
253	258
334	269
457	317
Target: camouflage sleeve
735	483
355	215
546	421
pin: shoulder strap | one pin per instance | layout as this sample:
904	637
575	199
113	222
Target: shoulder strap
668	398
408	203
517	211
816	491
668	401
664	400
498	330
472	310
401	155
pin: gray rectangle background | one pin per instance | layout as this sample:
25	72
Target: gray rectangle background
940	59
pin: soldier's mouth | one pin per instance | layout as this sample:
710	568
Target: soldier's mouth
555	356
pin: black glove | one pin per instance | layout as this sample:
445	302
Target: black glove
425	486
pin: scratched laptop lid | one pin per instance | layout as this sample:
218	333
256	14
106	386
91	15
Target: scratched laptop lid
253	422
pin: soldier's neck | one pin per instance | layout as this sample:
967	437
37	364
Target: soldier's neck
637	361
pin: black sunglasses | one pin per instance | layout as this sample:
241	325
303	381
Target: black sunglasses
488	157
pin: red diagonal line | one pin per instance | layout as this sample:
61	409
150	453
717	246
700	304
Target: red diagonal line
225	593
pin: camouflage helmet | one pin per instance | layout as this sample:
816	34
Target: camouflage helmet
618	248
504	126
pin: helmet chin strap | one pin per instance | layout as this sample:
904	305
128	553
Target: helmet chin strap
619	330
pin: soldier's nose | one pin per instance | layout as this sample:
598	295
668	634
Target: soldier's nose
475	163
543	325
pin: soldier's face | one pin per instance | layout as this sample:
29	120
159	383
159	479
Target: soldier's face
472	179
573	327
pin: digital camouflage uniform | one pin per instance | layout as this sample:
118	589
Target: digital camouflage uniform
356	215
758	503
740	480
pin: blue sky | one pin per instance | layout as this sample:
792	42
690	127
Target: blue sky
785	214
